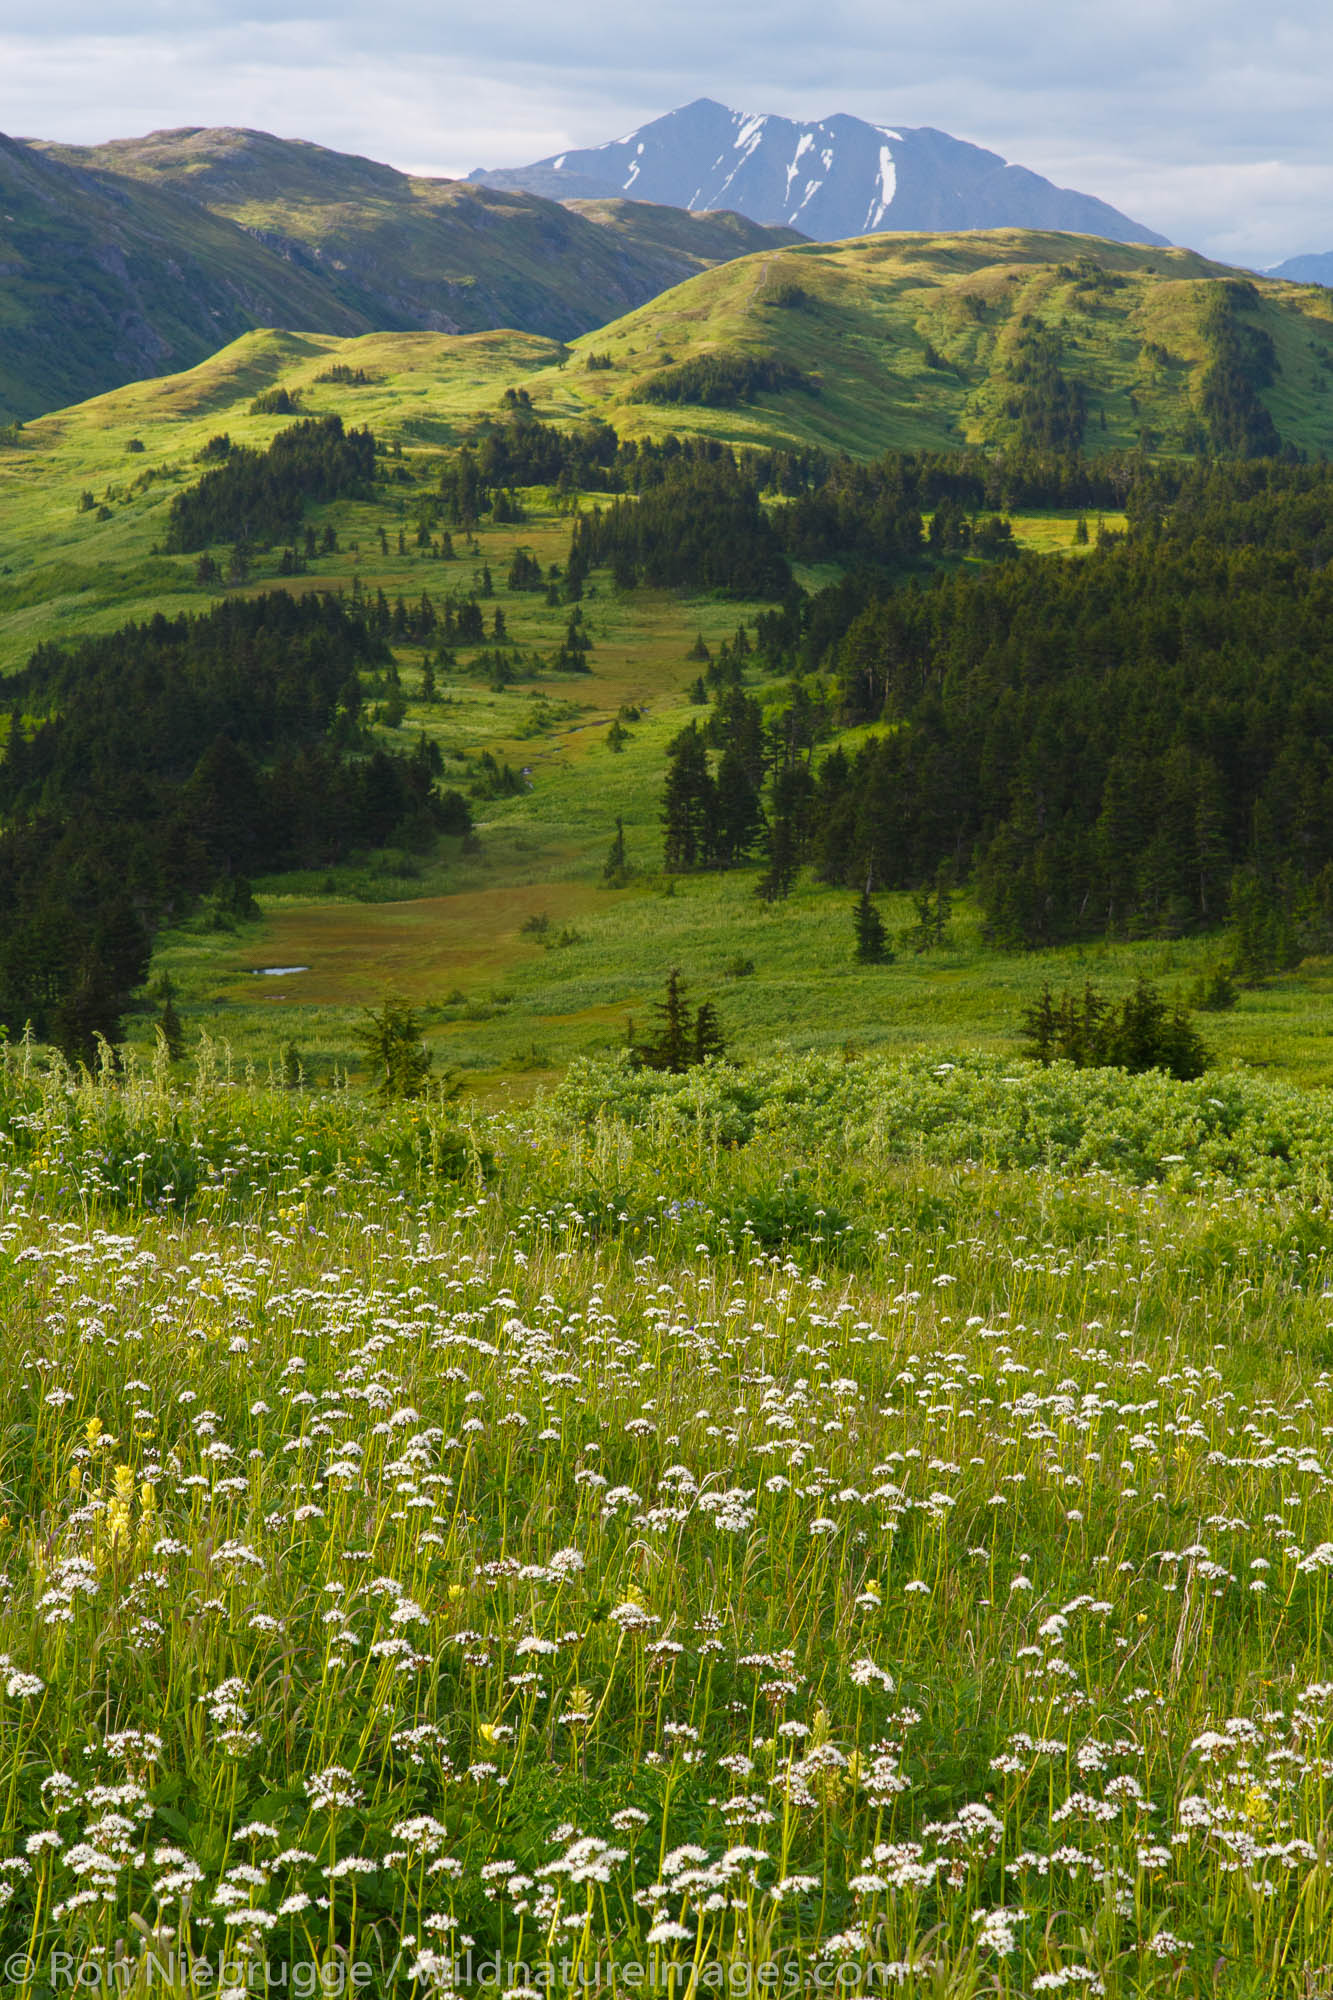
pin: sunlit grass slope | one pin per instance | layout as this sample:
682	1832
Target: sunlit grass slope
909	341
69	564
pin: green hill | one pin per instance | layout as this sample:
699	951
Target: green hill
84	492
127	260
85	500
935	342
915	342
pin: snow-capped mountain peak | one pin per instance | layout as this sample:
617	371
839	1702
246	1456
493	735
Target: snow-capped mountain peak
831	178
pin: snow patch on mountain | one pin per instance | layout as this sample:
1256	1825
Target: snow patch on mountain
888	180
803	146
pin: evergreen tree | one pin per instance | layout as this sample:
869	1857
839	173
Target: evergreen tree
738	818
685	1036
789	805
398	1060
690	803
1263	938
708	1044
1039	1027
170	1027
872	939
615	869
671	1047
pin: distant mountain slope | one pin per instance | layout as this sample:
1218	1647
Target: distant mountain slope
1314	269
102	283
126	260
842	177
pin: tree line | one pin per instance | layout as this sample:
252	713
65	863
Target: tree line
722	379
259	496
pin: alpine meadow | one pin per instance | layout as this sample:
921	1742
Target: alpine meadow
666	1083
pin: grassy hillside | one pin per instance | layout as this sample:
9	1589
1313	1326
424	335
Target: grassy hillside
910	342
129	259
913	342
450	931
852	1521
504	1002
66	565
100	285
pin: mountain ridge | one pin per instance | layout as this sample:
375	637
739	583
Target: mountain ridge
833	178
144	256
1313	268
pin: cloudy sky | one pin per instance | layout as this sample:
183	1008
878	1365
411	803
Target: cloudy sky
1206	119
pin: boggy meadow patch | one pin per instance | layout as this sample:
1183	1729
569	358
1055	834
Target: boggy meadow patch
399	1567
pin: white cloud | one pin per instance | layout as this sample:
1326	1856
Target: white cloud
1204	118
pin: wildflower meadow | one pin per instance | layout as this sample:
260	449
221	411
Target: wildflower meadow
849	1528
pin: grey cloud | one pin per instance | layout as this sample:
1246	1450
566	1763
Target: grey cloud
1208	121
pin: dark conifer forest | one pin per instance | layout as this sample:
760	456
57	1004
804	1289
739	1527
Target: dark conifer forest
147	768
1132	742
259	496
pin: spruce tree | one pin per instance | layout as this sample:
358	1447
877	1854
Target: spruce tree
685	1036
399	1061
1039	1025
615	869
690	803
171	1030
872	939
670	1048
708	1042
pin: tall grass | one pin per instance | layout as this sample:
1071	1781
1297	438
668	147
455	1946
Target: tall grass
606	1542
